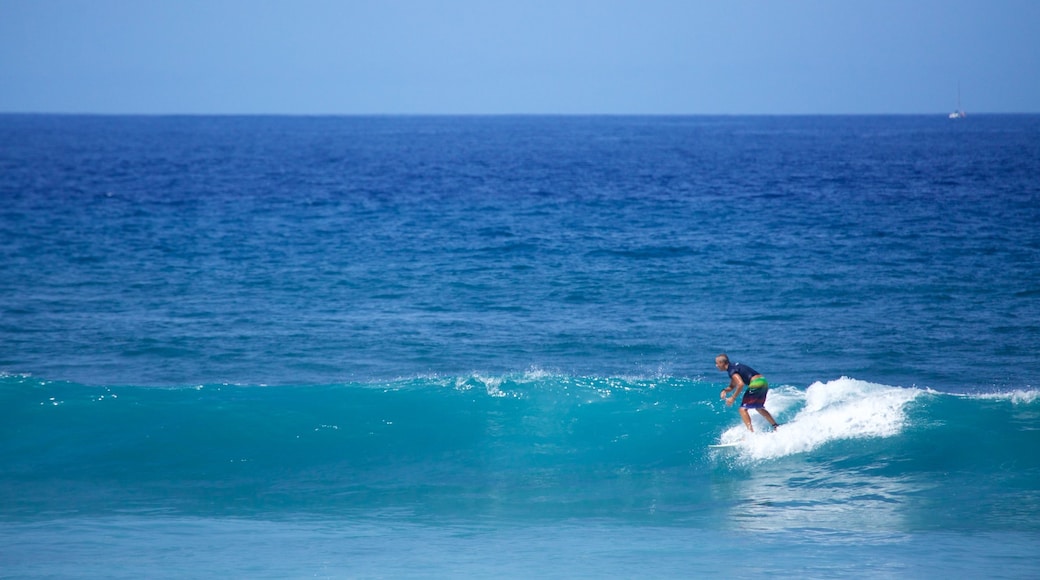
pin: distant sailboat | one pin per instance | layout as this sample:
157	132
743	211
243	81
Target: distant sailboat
959	113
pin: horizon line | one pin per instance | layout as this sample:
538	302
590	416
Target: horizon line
413	114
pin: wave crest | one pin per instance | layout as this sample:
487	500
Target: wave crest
830	411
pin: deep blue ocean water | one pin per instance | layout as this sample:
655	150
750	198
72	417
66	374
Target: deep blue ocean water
483	346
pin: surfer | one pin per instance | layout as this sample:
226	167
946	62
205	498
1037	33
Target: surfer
755	398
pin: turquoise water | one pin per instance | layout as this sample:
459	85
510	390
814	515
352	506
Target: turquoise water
526	474
483	347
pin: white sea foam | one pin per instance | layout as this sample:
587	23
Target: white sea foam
832	411
1017	397
537	374
493	385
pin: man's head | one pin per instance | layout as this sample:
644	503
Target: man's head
722	362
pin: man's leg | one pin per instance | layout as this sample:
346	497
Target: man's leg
746	418
762	411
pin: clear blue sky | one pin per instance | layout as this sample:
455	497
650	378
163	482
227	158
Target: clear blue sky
519	56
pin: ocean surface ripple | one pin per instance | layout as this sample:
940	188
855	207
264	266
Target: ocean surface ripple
483	346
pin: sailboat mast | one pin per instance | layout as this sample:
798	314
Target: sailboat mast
959	113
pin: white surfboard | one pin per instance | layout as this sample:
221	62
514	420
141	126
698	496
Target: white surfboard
726	445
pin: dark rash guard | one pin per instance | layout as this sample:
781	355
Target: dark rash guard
744	371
